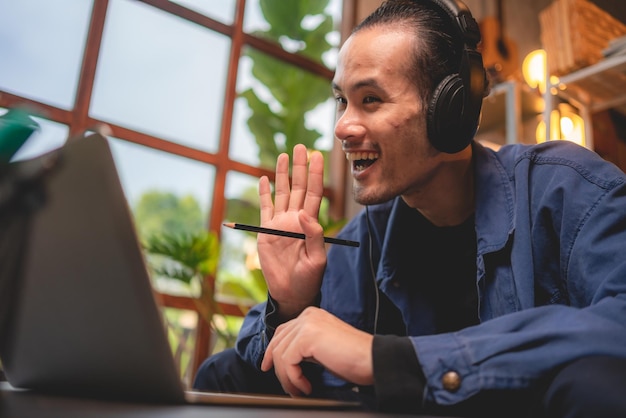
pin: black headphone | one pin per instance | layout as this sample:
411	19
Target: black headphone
454	111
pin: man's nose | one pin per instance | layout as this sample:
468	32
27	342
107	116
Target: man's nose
349	126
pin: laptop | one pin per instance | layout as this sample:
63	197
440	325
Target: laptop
80	316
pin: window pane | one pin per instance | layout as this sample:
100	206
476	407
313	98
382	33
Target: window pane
223	10
306	27
279	105
167	194
236	278
41	48
181	326
50	135
161	75
144	170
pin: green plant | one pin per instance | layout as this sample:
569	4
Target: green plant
192	259
294	91
278	120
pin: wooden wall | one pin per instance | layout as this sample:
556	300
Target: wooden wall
521	20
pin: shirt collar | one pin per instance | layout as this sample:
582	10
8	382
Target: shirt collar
495	214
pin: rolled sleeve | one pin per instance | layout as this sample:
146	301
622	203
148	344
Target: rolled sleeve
398	378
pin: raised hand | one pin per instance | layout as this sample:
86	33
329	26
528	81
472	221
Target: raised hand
293	268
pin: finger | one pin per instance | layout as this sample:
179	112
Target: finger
287	366
315	186
298	177
276	350
265	200
294	351
279	335
281	193
297	383
268	361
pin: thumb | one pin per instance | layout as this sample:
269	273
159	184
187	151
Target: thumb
310	226
314	234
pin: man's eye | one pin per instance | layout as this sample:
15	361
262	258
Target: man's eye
341	100
370	99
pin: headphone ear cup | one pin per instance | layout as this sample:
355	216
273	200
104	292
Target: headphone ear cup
445	116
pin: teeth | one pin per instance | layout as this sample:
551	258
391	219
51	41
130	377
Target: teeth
354	156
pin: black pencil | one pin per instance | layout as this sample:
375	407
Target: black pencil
288	234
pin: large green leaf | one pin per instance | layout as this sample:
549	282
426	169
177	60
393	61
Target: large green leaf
252	288
196	253
163	212
315	41
294	91
285	17
244	211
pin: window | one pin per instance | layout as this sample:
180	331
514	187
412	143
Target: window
198	98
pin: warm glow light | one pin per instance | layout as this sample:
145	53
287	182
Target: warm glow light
534	69
567	126
540	132
565	123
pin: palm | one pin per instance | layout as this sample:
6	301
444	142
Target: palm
292	267
296	277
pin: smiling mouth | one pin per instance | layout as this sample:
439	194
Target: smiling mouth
361	160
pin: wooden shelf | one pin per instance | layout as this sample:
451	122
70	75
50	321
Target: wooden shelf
598	87
591	89
507	107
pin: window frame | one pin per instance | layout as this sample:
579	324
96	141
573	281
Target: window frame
78	121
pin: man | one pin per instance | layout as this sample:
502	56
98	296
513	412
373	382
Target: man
486	284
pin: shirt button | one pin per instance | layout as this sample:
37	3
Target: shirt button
451	381
395	284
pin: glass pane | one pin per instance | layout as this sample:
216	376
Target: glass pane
279	105
50	135
228	327
167	194
41	48
223	10
144	170
310	28
181	326
238	277
161	75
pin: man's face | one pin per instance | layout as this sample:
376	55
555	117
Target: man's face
380	117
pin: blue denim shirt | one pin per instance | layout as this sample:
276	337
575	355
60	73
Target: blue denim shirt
551	273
